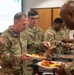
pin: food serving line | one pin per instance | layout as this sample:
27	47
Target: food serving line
66	59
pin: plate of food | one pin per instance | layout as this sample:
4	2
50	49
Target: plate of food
36	56
47	64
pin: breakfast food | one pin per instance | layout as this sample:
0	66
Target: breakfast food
50	64
36	56
46	63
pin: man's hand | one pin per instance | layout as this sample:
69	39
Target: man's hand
60	70
47	45
24	57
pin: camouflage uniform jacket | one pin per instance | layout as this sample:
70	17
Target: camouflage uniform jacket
69	69
54	37
34	39
15	46
65	32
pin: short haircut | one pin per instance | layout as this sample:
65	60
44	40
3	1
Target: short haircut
19	15
58	20
32	12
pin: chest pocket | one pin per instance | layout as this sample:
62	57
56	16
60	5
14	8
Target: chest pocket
15	45
57	36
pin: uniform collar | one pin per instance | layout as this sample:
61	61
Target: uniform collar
13	32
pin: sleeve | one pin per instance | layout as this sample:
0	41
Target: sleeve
8	58
70	69
38	46
6	54
36	43
2	47
50	37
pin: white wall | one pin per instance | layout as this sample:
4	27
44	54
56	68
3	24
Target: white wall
27	4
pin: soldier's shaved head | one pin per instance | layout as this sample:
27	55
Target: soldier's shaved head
67	14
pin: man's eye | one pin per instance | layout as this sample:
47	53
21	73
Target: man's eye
35	18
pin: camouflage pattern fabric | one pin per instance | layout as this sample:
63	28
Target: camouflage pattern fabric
34	38
54	38
65	32
15	46
69	69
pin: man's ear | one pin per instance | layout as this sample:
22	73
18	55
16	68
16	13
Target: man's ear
70	15
15	21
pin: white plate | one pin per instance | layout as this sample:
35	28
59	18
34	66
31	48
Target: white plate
35	57
50	68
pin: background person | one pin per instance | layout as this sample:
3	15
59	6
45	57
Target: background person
67	14
12	55
34	32
35	37
56	35
53	35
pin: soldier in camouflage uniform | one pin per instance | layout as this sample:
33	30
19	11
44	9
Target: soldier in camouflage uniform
13	58
67	35
53	35
66	38
35	36
67	14
34	32
12	55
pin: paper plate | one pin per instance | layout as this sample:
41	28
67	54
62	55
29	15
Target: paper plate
35	56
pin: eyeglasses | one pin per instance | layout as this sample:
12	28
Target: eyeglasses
35	18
